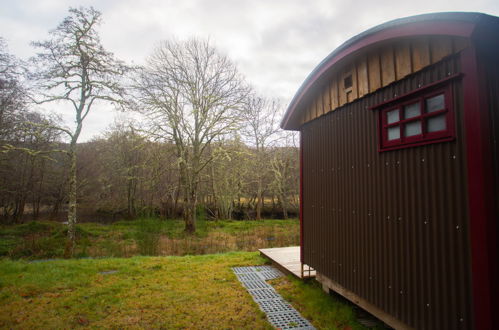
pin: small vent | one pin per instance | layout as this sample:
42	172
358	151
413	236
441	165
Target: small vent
347	82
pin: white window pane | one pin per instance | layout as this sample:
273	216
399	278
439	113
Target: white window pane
412	110
437	123
435	103
394	133
413	128
392	116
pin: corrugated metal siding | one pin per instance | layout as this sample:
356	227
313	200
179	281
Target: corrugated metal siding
493	100
493	94
391	227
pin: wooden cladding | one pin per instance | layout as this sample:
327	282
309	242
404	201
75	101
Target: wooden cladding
373	69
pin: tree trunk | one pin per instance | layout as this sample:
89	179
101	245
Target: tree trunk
259	201
214	192
71	243
190	212
284	206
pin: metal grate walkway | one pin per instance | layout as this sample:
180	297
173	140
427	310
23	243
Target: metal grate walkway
279	312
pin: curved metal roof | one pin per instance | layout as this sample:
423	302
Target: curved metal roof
447	23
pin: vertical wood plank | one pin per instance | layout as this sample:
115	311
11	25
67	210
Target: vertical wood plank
387	66
341	89
314	108
374	72
334	92
440	46
420	53
362	77
403	65
326	99
320	104
308	112
355	84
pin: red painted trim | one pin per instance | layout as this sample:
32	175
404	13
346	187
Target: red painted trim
480	189
301	197
461	29
418	96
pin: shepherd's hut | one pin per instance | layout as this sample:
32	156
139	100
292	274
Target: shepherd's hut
400	170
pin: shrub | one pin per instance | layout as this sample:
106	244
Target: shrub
147	236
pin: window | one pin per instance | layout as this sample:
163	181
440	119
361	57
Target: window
416	119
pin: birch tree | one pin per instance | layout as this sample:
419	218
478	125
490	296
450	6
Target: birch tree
191	95
73	67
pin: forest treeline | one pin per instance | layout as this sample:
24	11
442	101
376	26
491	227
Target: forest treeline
125	175
206	144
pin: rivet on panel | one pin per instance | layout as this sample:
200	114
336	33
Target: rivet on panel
428	305
388	218
400	218
453	156
386	164
390	287
422	160
401	292
461	320
457	227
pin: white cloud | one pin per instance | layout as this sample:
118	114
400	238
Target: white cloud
274	43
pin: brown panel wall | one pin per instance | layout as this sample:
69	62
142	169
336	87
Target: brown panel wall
492	72
390	227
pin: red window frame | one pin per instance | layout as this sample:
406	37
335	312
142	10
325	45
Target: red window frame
425	137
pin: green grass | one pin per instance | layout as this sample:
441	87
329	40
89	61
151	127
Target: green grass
195	292
45	239
146	292
322	310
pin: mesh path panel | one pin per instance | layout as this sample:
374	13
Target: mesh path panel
279	312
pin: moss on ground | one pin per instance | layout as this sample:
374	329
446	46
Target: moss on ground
142	292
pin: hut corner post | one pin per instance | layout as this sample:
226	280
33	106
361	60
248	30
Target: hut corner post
480	190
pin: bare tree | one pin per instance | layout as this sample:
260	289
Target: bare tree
73	66
191	95
260	130
286	172
12	93
226	176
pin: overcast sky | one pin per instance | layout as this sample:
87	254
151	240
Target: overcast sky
275	43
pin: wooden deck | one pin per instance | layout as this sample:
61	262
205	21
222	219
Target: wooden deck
287	259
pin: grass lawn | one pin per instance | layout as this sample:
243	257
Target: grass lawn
46	239
195	292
